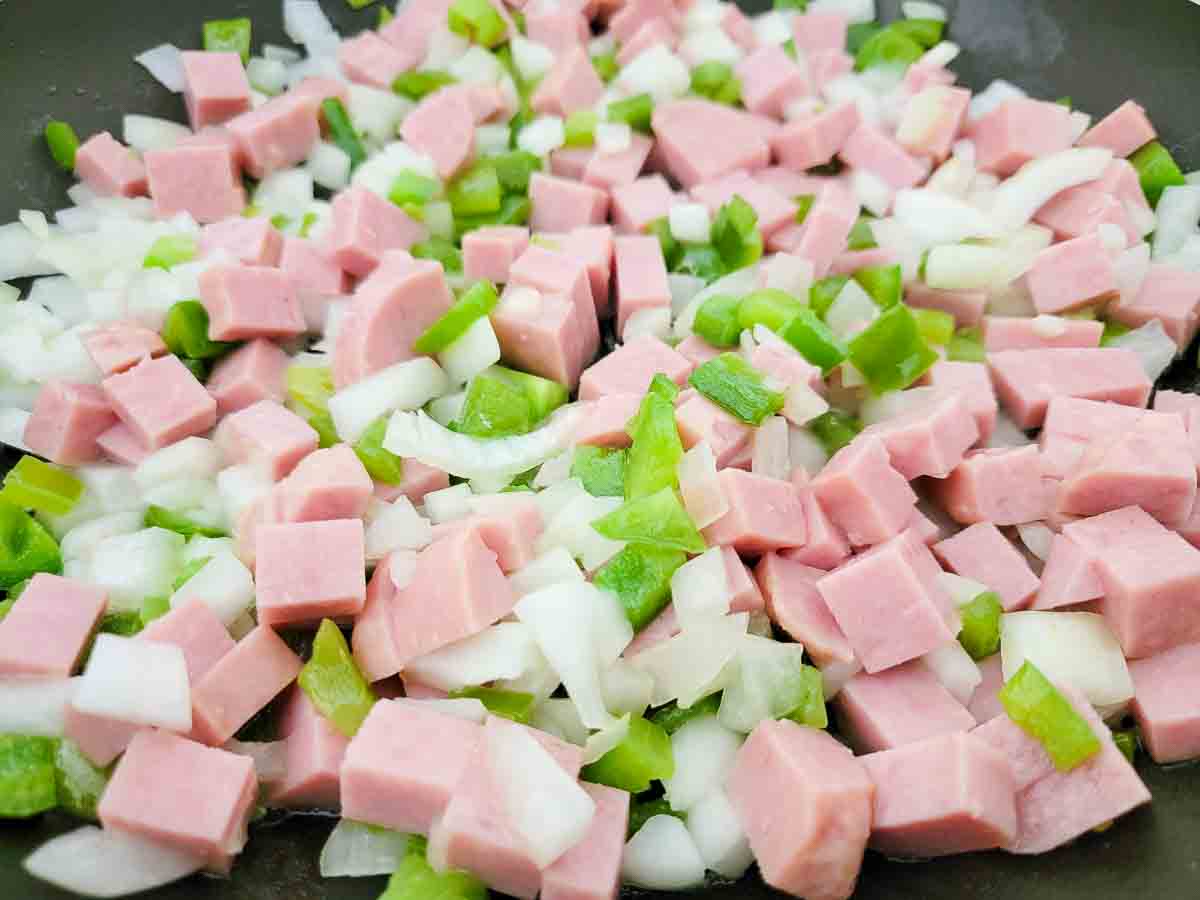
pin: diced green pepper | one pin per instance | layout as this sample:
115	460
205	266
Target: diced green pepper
79	784
926	32
359	4
859	33
385	16
980	634
643	756
411	190
440	250
885	284
154	608
731	383
634	111
381	464
717	320
810	699
229	36
730	93
308	391
663	386
861	236
27	775
656	450
170	250
658	520
710	79
478	22
63	144
887	47
601	469
415	879
789	46
672	250
476	302
544	395
495	407
26	547
935	325
41	487
476	191
890	352
835	429
124	623
735	234
824	291
341	131
672	717
334	683
642	811
606	66
799	5
813	339
641	576
1043	713
1112	331
514	169
700	260
1157	170
186	332
804	205
580	128
515	705
418	85
161	517
770	307
1126	740
966	346
514	210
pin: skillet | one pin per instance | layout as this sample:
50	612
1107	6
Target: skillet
71	60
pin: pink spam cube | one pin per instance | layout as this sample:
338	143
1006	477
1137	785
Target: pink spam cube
570	85
195	629
981	553
99	738
626	22
118	346
764	514
316	276
1072	274
475	833
1056	807
699	419
805	804
637	204
604	424
246	302
815	31
443	128
1019	130
489	252
538	333
1015	333
365	226
508	526
1072	425
182	794
1149	465
554	272
390	310
593	246
402	767
198	179
241	683
456	591
296	585
110	168
664	627
700	140
1026	380
744	595
1168	294
1005	486
898	706
591	870
368	59
266	434
160	401
930	439
863	493
121	445
771	80
330	483
655	31
1080	210
67	419
1069	576
948	794
1166	703
966	306
815	140
313	755
1122	131
47	628
278	134
823	234
560	204
641	277
419	480
872	150
778	359
1150	577
971	382
935	138
557	27
215	87
889	604
609	170
825	545
371	641
255	241
796	606
254	371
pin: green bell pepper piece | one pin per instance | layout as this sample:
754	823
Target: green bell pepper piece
27	775
495	407
26	547
170	250
890	352
634	111
514	169
63	144
476	302
515	705
980	634
717	320
656	450
418	85
770	307
1157	170
967	346
735	234
1043	713
885	284
78	783
186	332
601	469
161	517
42	487
824	291
640	575
644	756
658	519
440	250
334	683
731	383
341	131
835	429
813	339
228	36
580	128
381	464
478	22
672	717
936	326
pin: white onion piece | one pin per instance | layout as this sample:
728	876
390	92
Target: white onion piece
95	862
34	706
771	27
662	857
1131	266
961	590
80	541
357	850
626	689
654	321
938	218
991	97
857	11
850	310
1075	649
801	404
700	487
165	64
448	504
720	839
1035	183
872	192
542	135
608	737
1155	350
555	469
972	266
270	757
471	352
476	66
700	589
683	289
329	166
1036	537
1178	213
306	23
142	682
192	458
546	807
35	221
790	273
710	44
704	751
267	75
806	451
144	133
531	59
690	222
13	421
613	137
558	496
405	386
396	526
770	456
19	253
655	71
734	284
919	9
132	567
559	717
505	650
955	669
572	529
418	436
553	567
694	663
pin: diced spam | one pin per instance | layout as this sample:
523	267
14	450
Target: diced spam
47	628
253	372
246	302
1166	703
160	401
117	346
898	706
591	870
629	368
296	585
764	514
365	226
796	606
110	168
313	754
198	178
67	419
215	87
982	553
267	434
863	493
1005	486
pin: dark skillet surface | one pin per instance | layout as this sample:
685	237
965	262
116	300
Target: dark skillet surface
72	60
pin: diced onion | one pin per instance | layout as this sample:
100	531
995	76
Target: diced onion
1153	347
35	706
504	650
165	64
704	751
95	862
662	857
700	589
357	850
717	831
1075	649
142	682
